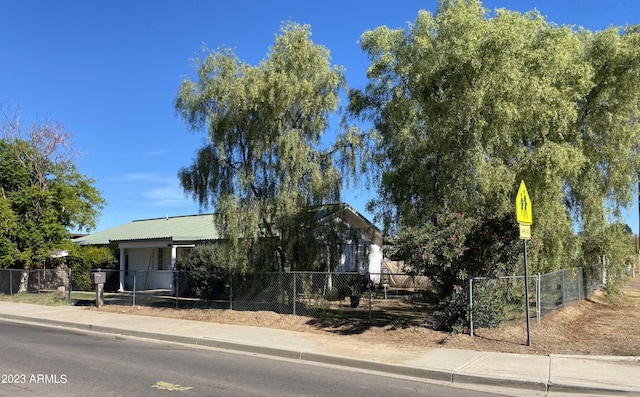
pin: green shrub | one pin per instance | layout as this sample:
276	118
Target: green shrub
83	259
488	307
201	273
451	314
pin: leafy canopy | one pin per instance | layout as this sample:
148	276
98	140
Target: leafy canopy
467	104
449	248
42	194
264	162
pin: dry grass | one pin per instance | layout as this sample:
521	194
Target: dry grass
594	327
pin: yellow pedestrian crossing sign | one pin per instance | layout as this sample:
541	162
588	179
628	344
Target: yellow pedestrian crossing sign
524	213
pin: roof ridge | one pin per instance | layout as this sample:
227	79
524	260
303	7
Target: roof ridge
171	217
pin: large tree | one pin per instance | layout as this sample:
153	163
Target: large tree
42	195
264	164
468	103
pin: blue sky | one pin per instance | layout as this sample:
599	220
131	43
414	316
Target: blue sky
109	70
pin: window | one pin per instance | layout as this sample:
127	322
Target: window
160	259
183	252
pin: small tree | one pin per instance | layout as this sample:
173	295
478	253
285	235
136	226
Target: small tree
42	194
495	248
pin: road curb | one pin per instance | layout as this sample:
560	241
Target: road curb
377	366
501	382
587	390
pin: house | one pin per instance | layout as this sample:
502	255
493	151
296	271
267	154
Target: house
152	246
361	243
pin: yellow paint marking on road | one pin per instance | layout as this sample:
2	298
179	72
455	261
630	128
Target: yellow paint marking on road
170	386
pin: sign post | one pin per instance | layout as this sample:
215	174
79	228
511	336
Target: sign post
524	215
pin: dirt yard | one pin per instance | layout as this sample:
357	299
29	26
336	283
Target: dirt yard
594	327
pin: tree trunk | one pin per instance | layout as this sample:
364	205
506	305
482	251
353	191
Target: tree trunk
24	282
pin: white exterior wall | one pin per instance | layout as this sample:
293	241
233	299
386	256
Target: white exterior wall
143	262
348	258
122	269
375	262
369	261
139	259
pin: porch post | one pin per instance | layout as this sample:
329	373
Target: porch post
122	263
174	251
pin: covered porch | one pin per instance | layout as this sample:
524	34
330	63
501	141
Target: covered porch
149	265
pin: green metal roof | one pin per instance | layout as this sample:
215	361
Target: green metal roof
201	227
174	228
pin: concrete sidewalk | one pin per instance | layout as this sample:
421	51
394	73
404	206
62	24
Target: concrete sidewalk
548	375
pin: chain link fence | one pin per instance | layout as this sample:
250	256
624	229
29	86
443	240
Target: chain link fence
504	297
381	298
299	293
15	281
493	300
558	289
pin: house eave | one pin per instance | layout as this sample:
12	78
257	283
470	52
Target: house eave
146	239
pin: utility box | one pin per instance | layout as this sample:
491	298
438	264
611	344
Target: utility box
98	278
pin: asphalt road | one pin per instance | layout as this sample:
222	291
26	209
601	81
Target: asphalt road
41	361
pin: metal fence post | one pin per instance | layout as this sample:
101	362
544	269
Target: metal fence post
564	300
176	276
471	306
133	301
369	288
230	291
11	282
280	292
538	299
295	293
580	283
70	284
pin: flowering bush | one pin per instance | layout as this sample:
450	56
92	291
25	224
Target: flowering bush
435	249
495	248
449	248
